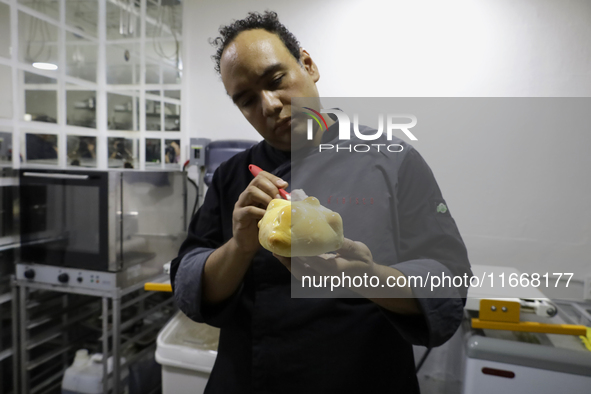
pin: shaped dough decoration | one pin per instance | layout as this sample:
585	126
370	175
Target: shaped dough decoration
300	228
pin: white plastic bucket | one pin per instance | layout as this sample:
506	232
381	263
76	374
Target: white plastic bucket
187	351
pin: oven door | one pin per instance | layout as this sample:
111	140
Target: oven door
64	218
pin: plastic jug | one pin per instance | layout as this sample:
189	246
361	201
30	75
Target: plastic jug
85	375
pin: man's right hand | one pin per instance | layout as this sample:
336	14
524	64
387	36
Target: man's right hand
251	207
225	268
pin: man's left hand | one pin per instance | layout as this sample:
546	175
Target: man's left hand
353	257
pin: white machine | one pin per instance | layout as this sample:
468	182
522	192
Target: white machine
513	366
508	362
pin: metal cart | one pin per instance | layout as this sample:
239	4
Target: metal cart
9	243
147	312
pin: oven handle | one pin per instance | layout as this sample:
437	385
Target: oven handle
55	176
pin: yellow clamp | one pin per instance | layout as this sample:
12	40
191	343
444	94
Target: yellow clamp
505	315
587	339
151	286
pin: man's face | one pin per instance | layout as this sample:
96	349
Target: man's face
261	76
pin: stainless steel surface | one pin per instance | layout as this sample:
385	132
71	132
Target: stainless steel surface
58	330
116	343
105	343
23	356
77	278
145	218
47	278
86	291
9	241
9	217
55	176
7	304
15	339
144	314
114	222
575	312
153	215
120	331
145	226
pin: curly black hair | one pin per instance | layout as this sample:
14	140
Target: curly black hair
268	21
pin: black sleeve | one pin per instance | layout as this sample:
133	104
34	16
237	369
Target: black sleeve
205	229
430	244
205	234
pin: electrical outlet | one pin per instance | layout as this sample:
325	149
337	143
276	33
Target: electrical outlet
587	288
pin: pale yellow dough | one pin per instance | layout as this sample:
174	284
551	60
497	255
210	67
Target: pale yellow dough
314	229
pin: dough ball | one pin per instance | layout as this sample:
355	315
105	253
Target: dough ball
300	228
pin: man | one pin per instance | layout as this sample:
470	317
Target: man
270	342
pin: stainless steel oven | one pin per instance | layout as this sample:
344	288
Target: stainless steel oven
108	221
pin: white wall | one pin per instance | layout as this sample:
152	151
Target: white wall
502	48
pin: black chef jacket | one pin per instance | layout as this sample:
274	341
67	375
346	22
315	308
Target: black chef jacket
273	343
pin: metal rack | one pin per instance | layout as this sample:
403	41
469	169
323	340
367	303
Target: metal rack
6	348
9	244
55	321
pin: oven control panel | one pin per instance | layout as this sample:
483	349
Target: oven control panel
66	277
